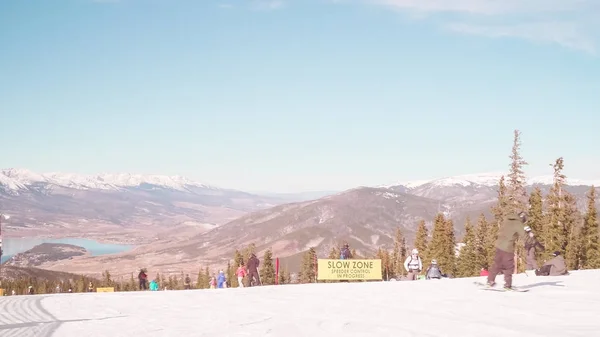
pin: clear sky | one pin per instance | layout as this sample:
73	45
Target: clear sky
297	95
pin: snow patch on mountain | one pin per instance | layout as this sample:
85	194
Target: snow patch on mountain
19	179
490	179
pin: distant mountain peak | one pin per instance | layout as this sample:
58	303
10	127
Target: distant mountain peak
489	179
17	179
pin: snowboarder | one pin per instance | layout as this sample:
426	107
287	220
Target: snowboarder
413	265
555	267
510	230
531	243
253	263
345	253
434	271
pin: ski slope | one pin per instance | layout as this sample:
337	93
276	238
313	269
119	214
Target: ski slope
554	306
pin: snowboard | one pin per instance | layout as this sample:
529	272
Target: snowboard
483	286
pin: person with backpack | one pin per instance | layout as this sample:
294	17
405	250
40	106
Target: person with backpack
345	253
413	265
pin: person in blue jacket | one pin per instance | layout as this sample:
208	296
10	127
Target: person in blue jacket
153	285
220	279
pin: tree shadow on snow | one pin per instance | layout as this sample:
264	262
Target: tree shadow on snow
554	284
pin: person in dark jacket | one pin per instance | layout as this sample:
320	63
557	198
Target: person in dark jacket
434	271
511	230
253	277
187	283
555	267
143	279
531	243
345	253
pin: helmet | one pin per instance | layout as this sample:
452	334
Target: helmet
415	251
527	228
434	261
523	217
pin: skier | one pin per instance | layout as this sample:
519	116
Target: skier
153	285
434	271
345	252
187	284
413	265
555	267
253	263
531	243
220	279
143	278
511	229
241	273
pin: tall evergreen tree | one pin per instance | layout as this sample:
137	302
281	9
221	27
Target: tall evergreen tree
267	270
440	244
555	234
334	253
590	235
421	240
400	252
308	269
468	261
201	282
571	223
536	219
481	242
517	194
500	210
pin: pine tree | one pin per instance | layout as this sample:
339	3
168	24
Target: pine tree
232	281
132	284
251	249
468	262
421	240
590	235
207	277
400	252
535	218
106	280
500	210
555	235
308	273
267	270
517	193
283	279
201	281
439	246
481	242
334	253
571	221
238	258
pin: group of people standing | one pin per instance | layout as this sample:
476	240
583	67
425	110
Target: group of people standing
215	282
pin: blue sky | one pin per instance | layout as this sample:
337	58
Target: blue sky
299	95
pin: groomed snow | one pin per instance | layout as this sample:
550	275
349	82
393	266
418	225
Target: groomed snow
554	306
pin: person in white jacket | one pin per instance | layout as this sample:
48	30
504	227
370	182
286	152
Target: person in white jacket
413	265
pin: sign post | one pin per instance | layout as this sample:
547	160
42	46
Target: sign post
345	270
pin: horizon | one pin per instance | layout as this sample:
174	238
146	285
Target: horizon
410	184
295	96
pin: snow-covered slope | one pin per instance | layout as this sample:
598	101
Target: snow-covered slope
18	179
554	306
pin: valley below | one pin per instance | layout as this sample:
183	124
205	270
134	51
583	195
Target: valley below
172	225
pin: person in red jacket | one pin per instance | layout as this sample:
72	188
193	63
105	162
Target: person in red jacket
483	272
241	273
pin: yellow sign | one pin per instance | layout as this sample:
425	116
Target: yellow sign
105	290
1	292
349	269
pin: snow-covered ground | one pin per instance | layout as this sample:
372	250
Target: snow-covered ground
555	306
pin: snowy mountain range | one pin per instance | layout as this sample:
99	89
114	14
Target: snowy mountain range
488	179
15	180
